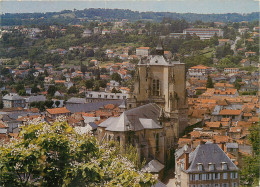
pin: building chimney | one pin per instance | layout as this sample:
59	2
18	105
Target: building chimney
186	156
222	144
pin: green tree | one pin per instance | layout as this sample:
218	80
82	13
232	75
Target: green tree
51	90
116	77
48	103
249	174
57	103
209	83
89	84
55	155
72	90
1	105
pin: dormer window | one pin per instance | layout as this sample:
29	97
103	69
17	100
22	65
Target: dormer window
200	166
211	167
224	166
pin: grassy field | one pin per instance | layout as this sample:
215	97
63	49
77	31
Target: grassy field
208	52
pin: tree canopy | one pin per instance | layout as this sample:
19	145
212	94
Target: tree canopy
57	155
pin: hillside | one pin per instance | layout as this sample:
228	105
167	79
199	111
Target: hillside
74	17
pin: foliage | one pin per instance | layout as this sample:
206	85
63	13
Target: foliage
114	90
89	84
1	104
52	18
250	171
57	103
73	90
116	77
55	155
209	83
51	90
223	51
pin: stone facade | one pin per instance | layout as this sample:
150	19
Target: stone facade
161	81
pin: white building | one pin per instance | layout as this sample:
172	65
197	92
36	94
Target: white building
143	51
93	96
204	33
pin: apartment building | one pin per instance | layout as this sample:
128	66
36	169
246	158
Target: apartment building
206	166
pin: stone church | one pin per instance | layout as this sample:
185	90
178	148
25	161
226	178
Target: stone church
163	82
157	110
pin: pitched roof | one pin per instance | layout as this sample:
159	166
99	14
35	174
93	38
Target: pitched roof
209	153
153	166
62	110
230	112
89	107
213	124
200	67
143	117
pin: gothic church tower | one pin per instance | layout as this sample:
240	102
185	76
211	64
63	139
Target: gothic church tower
161	81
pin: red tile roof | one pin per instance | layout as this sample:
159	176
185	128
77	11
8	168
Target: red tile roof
62	110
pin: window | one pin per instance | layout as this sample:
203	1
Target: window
225	175
233	175
224	166
209	176
204	177
234	184
216	185
156	87
199	166
216	176
211	167
225	185
196	177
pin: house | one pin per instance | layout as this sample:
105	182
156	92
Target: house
168	54
36	98
75	100
207	165
143	51
58	94
250	53
87	33
55	112
199	71
93	96
243	30
222	42
105	31
235	115
226	92
231	70
13	100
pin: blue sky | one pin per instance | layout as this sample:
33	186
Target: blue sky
180	6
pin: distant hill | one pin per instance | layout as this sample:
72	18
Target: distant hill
69	16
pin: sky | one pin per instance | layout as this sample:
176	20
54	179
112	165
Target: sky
179	6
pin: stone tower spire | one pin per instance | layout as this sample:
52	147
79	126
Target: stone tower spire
159	48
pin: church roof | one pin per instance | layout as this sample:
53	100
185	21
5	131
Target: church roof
143	117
